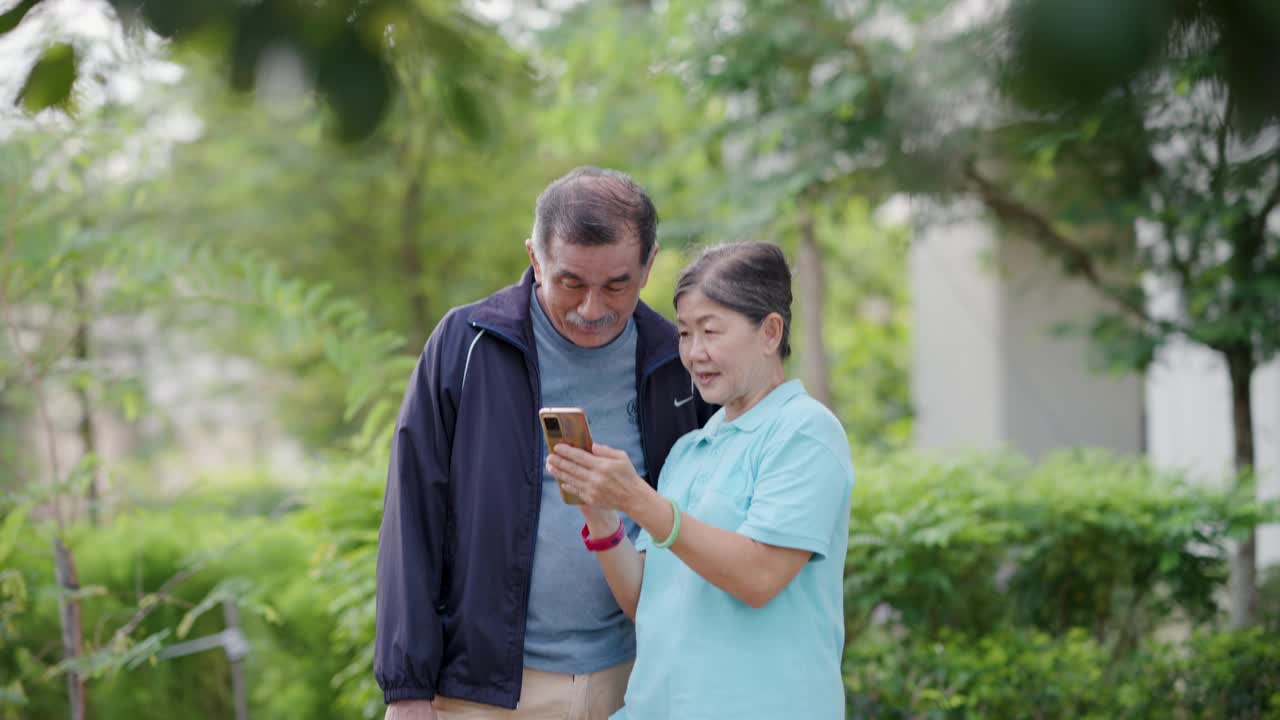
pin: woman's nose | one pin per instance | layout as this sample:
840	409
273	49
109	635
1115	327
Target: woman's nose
697	347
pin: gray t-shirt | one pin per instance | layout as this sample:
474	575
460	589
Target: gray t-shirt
574	625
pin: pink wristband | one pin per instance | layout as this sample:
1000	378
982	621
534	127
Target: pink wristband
598	544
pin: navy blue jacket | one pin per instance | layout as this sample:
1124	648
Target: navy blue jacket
455	550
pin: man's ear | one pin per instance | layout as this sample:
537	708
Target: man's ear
533	260
653	255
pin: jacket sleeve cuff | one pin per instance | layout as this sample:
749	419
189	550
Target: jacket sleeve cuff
407	693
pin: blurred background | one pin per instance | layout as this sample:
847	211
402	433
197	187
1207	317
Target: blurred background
1037	266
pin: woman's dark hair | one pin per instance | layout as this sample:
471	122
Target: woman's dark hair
594	206
750	278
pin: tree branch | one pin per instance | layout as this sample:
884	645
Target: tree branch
34	377
145	609
1220	171
166	590
875	96
1269	204
1078	261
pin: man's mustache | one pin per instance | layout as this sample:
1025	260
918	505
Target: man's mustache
580	321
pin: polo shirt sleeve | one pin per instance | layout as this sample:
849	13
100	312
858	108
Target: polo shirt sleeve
802	488
643	542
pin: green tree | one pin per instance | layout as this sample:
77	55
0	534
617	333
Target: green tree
809	97
1165	129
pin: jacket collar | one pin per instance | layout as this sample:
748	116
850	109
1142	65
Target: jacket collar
507	313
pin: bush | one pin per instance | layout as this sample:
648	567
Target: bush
928	540
347	511
1006	674
1110	545
982	587
1025	673
266	563
989	587
1083	540
1230	675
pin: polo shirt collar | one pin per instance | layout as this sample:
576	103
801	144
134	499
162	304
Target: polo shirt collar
753	418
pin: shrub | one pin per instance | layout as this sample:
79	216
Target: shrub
265	562
1006	674
1083	540
1229	675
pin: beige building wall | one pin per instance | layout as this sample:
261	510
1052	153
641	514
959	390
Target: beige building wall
987	369
989	372
956	363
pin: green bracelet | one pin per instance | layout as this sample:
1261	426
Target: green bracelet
675	527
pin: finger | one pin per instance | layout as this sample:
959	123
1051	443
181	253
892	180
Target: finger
561	468
602	450
583	494
582	457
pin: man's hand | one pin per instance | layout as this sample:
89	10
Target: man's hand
411	710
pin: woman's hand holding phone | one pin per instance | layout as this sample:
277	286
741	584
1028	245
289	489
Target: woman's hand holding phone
603	478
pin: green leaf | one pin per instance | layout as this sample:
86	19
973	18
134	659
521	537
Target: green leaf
12	694
130	404
228	589
13	523
10	19
50	80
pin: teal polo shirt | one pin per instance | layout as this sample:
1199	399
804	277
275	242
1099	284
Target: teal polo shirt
780	474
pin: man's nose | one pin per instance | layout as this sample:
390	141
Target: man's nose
592	306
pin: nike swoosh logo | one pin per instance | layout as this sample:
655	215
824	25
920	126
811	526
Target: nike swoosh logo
681	403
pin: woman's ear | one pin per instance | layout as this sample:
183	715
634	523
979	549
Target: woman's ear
771	332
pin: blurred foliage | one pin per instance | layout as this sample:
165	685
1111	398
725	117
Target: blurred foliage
122	566
957	603
346	50
987	586
1018	672
1077	52
428	218
1080	540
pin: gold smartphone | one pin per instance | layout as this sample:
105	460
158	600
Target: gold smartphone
566	425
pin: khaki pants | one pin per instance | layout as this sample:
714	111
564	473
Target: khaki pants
550	696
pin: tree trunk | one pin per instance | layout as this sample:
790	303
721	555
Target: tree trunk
1244	564
410	254
813	294
88	438
69	614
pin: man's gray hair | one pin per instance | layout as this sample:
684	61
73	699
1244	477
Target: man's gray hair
594	206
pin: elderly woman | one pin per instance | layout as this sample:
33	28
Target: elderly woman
735	580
